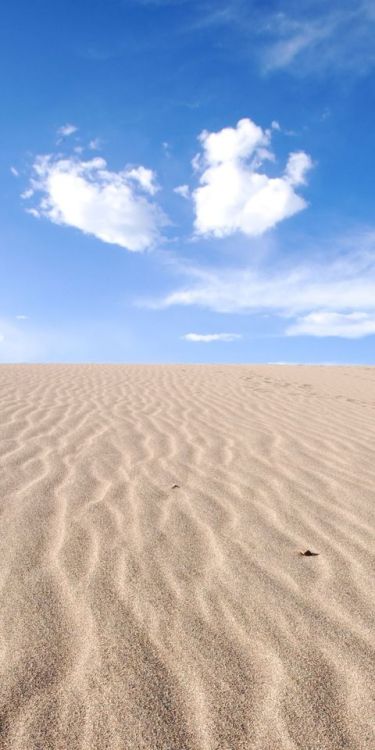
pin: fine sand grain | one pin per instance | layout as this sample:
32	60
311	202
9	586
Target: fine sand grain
153	594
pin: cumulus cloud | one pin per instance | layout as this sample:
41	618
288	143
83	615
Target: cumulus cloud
206	338
66	130
352	325
235	195
115	207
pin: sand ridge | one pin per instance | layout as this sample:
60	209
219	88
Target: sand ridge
140	614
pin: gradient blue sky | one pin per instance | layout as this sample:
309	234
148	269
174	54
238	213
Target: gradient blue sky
267	251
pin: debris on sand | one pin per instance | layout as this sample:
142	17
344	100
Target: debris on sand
308	553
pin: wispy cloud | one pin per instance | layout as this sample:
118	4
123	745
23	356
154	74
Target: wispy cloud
66	130
334	297
305	38
353	325
235	194
345	282
115	207
295	38
207	338
95	144
182	190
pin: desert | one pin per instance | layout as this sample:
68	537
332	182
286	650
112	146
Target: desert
153	594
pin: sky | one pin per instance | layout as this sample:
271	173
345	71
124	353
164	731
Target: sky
187	181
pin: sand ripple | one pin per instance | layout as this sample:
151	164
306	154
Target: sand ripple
135	614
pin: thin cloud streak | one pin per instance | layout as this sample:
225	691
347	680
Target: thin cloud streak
338	38
353	325
290	291
207	338
303	39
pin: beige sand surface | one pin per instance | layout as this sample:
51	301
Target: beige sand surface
134	615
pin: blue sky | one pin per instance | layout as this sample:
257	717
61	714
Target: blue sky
187	181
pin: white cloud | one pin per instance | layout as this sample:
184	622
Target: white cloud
26	194
352	325
66	130
230	144
112	206
33	212
22	317
208	337
144	177
298	165
182	190
196	163
344	283
325	298
14	172
234	194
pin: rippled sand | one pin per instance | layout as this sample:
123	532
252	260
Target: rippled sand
135	614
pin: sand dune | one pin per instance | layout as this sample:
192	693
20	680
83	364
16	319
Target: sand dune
135	614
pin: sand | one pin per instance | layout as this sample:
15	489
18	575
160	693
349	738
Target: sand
140	614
